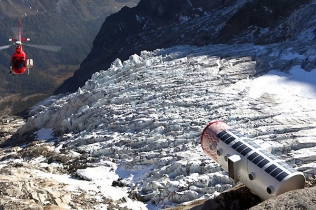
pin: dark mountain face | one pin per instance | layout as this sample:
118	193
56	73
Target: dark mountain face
156	24
254	16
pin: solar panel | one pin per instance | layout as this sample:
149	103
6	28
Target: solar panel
281	176
228	141
237	144
257	159
221	134
276	172
262	163
241	148
252	156
270	168
225	137
245	151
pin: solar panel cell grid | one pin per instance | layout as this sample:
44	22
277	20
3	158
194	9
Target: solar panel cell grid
252	156
241	148
281	176
257	159
270	168
245	151
262	163
228	141
225	137
276	172
221	134
237	144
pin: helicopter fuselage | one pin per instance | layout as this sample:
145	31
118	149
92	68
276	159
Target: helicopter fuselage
18	63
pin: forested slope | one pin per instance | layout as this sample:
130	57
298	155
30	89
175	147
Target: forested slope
70	24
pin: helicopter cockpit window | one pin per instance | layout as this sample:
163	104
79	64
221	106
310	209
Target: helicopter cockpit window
18	64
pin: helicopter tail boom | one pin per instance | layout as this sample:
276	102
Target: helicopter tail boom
20	38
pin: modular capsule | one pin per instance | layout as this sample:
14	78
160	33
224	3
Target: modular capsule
247	162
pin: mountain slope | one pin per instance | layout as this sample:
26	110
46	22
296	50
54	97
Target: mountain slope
70	24
158	24
135	127
129	138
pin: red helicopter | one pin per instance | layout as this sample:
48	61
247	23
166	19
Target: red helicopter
19	61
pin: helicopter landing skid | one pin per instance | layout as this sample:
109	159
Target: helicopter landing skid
11	73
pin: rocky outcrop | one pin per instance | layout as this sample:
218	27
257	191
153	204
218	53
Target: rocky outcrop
29	183
8	126
19	190
293	200
297	199
241	198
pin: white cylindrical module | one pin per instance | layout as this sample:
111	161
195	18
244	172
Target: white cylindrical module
247	162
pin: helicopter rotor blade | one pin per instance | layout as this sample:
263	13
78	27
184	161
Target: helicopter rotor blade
45	47
5	47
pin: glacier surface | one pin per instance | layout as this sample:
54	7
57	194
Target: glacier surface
138	123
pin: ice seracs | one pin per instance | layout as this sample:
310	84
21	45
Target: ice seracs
145	116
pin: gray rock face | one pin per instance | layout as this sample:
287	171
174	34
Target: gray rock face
8	126
29	185
304	199
241	198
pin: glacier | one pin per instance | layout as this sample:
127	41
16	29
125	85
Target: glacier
138	123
